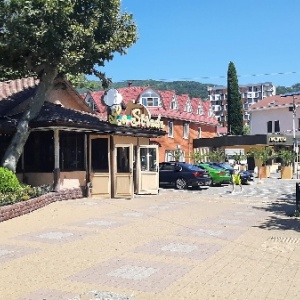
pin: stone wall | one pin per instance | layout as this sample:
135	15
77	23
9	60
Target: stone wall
21	208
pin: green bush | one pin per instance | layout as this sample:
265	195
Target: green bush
8	181
25	192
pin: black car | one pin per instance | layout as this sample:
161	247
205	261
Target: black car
182	175
246	176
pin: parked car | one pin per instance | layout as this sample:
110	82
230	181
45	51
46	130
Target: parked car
246	176
218	175
182	175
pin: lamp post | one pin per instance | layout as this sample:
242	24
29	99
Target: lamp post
295	141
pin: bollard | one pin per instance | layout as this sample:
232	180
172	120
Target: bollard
297	196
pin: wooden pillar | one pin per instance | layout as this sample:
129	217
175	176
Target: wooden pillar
56	171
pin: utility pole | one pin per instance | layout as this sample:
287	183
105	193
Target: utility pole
295	141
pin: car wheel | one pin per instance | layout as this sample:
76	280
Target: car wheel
181	184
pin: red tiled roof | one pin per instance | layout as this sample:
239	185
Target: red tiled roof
274	102
9	88
133	94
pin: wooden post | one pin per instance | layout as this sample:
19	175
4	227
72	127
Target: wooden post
56	171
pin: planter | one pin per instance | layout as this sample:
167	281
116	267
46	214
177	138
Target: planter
286	172
264	172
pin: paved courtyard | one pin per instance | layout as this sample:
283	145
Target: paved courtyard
206	244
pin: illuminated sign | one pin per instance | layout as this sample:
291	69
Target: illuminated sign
139	117
277	139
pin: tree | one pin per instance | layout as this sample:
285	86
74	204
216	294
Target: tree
52	38
235	108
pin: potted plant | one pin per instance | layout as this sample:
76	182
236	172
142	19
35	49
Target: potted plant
287	160
262	157
241	160
216	156
198	157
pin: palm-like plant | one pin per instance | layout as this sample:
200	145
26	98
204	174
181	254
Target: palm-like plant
287	157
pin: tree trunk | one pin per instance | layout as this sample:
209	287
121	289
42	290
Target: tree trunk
15	149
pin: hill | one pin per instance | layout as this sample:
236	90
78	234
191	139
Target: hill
193	88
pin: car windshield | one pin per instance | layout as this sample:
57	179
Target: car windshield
215	167
223	165
191	167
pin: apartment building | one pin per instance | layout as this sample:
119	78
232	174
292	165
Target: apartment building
250	94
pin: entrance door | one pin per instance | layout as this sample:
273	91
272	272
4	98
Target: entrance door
100	168
147	169
123	181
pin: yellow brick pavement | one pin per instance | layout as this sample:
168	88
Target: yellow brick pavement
177	245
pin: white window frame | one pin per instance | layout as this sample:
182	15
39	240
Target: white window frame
186	130
150	98
170	129
199	132
200	110
174	105
188	107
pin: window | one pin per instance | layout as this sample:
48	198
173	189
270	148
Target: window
150	101
150	98
174	104
175	155
71	151
99	155
277	126
269	127
148	159
200	109
170	129
123	160
199	132
188	106
39	152
186	130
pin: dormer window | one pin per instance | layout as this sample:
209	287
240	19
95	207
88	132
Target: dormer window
174	104
150	98
200	109
188	106
90	102
210	112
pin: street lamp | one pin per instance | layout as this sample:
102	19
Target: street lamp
295	141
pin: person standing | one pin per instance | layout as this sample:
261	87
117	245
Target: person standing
236	180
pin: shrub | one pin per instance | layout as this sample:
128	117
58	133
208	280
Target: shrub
25	192
8	181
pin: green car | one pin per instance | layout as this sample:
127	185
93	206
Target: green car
217	174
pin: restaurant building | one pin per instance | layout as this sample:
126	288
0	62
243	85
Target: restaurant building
70	146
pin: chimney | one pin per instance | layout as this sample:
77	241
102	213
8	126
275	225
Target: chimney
129	83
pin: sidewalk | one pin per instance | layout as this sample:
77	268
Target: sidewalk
177	245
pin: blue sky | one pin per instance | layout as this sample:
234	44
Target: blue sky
196	39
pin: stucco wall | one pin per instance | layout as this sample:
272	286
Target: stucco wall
259	119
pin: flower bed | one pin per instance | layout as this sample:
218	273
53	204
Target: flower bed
24	207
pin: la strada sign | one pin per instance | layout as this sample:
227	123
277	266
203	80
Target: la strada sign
277	139
136	115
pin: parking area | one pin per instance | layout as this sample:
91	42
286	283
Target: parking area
193	244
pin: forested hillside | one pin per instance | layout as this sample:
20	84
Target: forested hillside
193	88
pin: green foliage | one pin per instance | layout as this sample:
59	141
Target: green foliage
234	100
262	154
8	181
216	156
283	89
192	88
198	157
23	193
68	36
288	157
246	130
